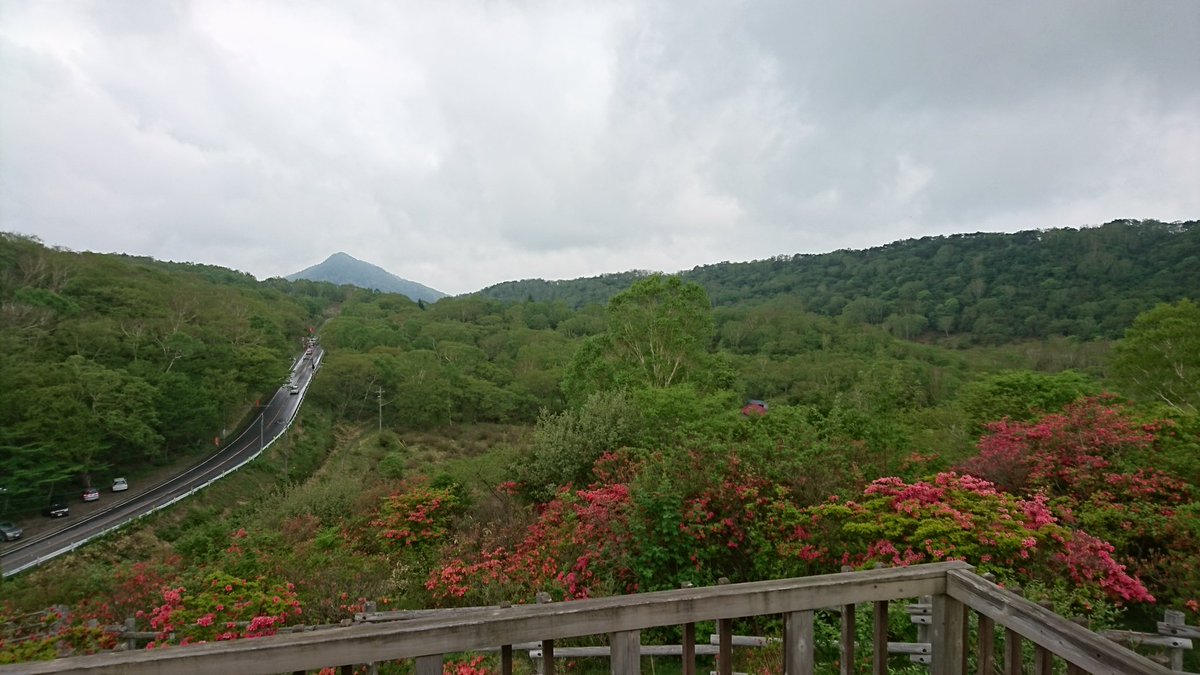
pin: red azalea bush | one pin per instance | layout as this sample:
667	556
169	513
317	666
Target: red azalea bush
574	550
417	517
224	607
1062	452
953	517
1098	466
724	519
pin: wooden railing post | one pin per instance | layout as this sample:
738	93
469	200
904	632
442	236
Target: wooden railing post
725	641
947	636
1012	647
1043	660
626	654
429	665
130	626
879	659
847	651
506	651
1173	617
689	642
798	643
547	645
985	657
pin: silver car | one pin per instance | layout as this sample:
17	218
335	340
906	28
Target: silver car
10	531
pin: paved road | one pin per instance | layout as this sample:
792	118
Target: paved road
118	509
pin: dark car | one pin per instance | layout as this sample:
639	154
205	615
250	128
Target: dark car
10	531
57	510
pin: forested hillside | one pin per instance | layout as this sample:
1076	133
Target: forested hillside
476	451
113	363
982	288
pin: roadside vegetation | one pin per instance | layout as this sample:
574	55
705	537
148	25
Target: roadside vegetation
474	451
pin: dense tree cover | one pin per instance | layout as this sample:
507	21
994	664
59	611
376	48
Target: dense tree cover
639	472
983	288
112	362
1160	356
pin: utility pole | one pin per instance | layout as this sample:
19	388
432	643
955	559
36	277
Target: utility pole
379	396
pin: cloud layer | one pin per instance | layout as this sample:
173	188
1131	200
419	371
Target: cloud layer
461	144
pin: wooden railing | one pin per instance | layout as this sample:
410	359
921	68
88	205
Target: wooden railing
955	589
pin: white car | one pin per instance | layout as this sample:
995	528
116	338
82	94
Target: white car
119	485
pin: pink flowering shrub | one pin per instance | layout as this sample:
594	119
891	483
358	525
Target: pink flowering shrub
52	633
573	550
1097	466
415	518
722	518
224	607
953	517
1061	452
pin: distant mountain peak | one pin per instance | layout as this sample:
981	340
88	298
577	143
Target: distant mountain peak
343	268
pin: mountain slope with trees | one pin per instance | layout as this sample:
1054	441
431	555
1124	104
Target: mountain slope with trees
113	363
981	288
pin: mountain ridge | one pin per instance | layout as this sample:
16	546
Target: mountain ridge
342	268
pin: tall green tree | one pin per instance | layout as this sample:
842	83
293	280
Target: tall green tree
659	333
1160	356
663	327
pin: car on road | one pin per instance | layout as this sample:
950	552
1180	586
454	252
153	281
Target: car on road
119	485
91	494
10	531
57	510
293	388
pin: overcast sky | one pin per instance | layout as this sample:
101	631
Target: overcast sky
461	144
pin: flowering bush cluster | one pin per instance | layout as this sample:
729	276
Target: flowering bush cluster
1098	467
416	517
657	531
225	607
574	550
49	634
1061	451
953	517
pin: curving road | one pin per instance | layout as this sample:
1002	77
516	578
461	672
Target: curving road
77	530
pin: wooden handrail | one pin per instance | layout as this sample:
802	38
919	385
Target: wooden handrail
1069	641
952	585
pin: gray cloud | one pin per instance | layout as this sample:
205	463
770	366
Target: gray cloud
461	144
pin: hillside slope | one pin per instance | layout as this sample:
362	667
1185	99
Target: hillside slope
1086	283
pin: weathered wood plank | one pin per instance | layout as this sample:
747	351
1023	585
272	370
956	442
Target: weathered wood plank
1130	637
910	648
602	652
743	640
1186	631
1073	643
